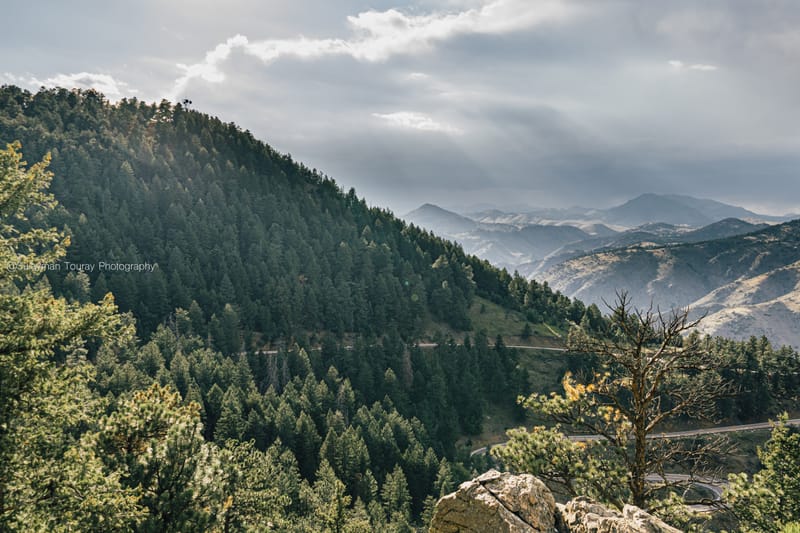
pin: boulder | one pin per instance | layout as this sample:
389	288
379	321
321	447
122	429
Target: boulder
582	515
497	502
506	503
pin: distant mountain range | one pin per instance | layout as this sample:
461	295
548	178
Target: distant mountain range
675	209
538	239
504	244
767	304
652	234
740	268
746	284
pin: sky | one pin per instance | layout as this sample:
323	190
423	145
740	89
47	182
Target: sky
541	103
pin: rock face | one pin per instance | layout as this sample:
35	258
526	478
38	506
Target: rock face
495	502
582	515
505	503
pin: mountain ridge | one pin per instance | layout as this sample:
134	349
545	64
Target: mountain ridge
642	206
254	239
681	210
519	242
703	275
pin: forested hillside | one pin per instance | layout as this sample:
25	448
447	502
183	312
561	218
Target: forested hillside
229	221
251	248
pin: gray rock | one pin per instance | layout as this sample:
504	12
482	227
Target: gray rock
497	502
582	515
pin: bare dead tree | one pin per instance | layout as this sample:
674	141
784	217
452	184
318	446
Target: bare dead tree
651	371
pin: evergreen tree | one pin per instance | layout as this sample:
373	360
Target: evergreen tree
395	496
260	486
649	374
306	445
154	441
35	327
526	331
771	499
231	423
327	501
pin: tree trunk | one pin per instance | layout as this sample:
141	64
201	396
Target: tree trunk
639	467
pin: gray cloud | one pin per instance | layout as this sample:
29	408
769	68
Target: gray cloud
460	101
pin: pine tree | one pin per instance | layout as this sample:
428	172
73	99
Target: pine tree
306	444
526	331
358	520
327	501
648	374
259	486
33	326
197	319
395	496
771	499
155	442
213	408
231	423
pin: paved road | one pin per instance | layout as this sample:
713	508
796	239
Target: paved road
548	348
673	434
517	346
722	429
433	345
715	486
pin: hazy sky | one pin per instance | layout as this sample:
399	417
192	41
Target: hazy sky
458	102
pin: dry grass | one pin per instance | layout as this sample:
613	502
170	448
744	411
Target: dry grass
496	320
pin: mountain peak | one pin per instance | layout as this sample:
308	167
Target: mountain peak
438	219
679	209
650	207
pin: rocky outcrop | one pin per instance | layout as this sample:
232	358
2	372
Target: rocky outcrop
582	515
505	503
495	502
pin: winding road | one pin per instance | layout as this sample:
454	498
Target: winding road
670	435
428	345
715	486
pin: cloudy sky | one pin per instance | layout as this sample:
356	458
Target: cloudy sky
461	102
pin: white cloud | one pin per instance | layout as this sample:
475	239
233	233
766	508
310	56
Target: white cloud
112	88
416	121
680	65
13	79
208	68
700	66
379	35
418	76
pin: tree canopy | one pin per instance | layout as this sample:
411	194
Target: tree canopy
770	500
44	404
268	248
